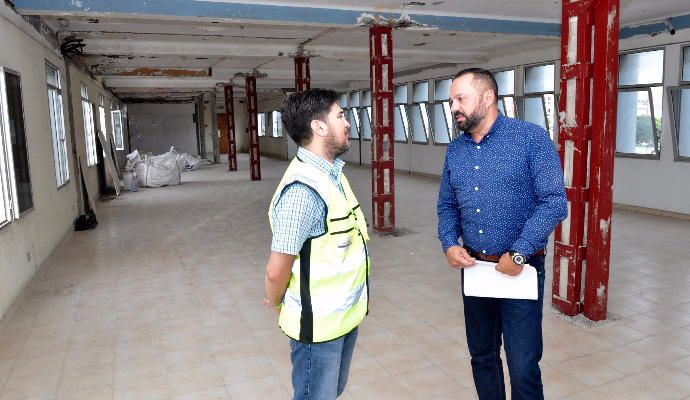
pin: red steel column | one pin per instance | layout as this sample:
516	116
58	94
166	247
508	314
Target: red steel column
302	74
253	129
589	190
573	142
382	161
604	112
230	123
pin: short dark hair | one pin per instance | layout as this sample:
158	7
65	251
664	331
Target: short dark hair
481	75
301	108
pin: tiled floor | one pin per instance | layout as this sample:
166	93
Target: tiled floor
162	301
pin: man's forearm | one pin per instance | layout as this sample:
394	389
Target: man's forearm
278	273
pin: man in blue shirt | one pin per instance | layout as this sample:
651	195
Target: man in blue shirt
501	195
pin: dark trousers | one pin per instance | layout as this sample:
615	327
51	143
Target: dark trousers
519	322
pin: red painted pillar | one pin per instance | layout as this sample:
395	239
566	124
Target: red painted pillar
382	142
588	192
230	123
253	129
573	146
604	111
302	74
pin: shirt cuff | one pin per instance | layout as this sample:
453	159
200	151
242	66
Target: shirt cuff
523	247
446	244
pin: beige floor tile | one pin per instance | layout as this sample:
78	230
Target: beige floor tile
22	387
428	382
268	388
243	369
86	377
139	368
625	360
152	388
590	371
81	357
187	359
95	393
52	362
194	380
220	393
401	359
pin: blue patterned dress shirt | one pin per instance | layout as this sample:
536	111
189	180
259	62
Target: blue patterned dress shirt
504	193
300	213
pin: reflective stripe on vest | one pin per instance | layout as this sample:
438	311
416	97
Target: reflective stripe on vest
327	295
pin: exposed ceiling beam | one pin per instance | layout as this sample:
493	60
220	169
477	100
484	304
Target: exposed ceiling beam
158	72
112	47
272	13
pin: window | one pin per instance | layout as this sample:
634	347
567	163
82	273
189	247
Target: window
277	128
442	117
420	112
351	111
365	115
57	125
89	128
16	152
539	105
118	136
640	80
680	100
101	115
506	92
261	122
6	205
401	122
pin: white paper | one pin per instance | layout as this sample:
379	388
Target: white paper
482	280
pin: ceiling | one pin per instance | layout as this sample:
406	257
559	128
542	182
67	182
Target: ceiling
157	48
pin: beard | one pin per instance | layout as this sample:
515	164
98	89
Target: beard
334	148
471	121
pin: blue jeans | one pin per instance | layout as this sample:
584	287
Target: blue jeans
319	371
519	321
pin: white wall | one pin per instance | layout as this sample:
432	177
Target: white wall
26	242
156	127
95	88
276	147
658	184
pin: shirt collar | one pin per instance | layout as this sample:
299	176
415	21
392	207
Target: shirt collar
332	170
492	131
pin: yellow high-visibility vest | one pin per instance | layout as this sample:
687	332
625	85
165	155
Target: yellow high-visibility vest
328	293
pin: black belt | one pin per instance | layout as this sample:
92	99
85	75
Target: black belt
491	258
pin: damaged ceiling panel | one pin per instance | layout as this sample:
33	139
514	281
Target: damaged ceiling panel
159	47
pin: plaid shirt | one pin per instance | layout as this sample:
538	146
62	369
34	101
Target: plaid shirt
299	213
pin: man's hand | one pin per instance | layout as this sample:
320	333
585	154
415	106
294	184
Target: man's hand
458	257
507	266
269	305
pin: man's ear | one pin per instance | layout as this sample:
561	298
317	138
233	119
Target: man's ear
318	127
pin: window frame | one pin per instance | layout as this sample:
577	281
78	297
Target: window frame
422	111
501	97
443	103
115	132
652	107
6	163
520	100
11	175
90	130
403	109
675	118
276	126
62	172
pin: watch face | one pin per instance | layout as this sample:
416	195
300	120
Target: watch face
519	259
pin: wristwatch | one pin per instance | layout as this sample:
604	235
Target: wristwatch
517	258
